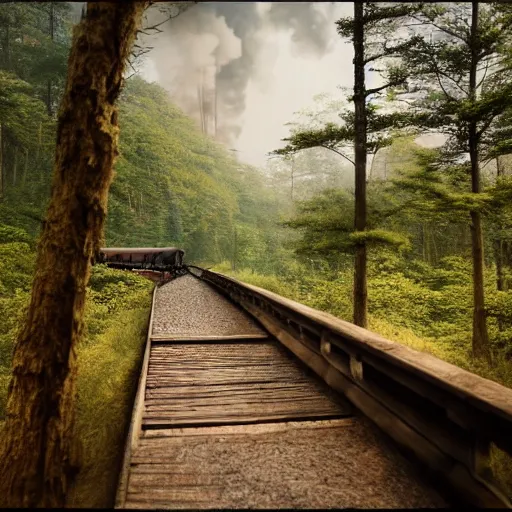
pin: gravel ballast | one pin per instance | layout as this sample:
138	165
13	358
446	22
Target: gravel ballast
188	307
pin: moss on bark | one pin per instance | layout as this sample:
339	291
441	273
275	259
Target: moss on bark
39	455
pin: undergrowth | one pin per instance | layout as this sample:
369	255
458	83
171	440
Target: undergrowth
109	356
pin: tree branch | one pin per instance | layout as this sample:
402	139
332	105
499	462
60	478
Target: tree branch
368	92
338	152
444	29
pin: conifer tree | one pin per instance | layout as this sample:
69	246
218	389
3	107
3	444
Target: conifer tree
364	130
458	58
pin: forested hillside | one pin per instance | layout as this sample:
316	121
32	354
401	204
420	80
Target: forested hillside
173	186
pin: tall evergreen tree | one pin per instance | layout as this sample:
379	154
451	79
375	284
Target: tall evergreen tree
364	130
459	55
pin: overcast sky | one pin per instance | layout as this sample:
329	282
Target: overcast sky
286	81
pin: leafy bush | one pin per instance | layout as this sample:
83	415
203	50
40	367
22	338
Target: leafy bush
12	234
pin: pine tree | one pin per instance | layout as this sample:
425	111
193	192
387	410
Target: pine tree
364	131
458	57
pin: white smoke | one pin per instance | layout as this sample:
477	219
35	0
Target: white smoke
207	55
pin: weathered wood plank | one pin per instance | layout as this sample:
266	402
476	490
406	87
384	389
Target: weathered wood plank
246	399
152	436
149	480
197	494
204	338
239	419
136	421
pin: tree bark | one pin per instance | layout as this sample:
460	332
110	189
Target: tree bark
360	278
39	455
1	161
49	85
480	343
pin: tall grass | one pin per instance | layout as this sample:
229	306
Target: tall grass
107	379
109	358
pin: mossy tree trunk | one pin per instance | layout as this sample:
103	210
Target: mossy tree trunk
38	456
480	342
360	271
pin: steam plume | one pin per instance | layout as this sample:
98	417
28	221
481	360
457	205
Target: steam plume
207	55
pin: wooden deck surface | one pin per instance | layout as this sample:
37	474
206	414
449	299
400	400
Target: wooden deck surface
230	383
244	424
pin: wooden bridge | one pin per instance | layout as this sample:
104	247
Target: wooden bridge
280	405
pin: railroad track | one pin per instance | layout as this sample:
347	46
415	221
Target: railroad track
244	402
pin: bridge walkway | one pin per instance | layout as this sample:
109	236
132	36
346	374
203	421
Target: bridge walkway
226	417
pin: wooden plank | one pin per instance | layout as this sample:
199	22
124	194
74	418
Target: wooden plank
168	382
186	392
152	436
204	338
141	504
136	421
242	405
252	399
204	373
182	495
218	414
150	480
484	394
231	418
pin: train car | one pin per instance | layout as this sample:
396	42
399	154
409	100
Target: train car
165	259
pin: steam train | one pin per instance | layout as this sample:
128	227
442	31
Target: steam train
144	260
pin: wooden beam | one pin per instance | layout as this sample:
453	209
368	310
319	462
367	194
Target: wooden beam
136	421
178	338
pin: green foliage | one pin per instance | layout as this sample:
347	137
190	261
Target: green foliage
11	234
16	267
109	363
326	226
331	136
381	236
175	186
117	311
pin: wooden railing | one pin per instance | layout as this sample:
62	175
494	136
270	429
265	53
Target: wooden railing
445	417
